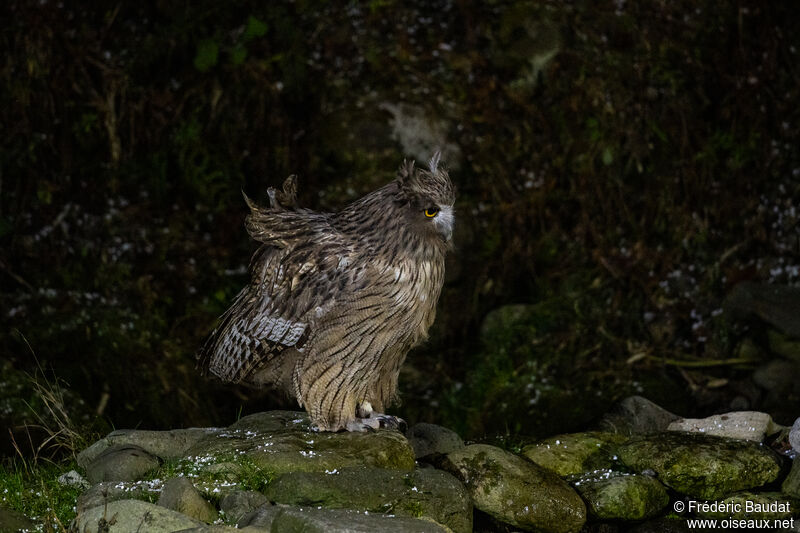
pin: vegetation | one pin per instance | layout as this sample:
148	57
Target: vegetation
620	166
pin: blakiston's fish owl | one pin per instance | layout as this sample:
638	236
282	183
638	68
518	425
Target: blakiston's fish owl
336	300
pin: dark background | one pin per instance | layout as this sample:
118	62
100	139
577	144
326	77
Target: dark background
620	167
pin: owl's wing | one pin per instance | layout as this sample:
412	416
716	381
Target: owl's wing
296	277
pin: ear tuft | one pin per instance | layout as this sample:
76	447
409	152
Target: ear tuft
433	164
406	171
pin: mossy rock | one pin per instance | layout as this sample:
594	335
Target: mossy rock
133	515
754	505
308	519
616	496
516	491
421	493
574	453
702	466
282	441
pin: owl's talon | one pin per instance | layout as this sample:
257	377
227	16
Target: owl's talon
375	422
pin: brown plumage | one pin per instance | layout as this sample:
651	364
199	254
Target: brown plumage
336	300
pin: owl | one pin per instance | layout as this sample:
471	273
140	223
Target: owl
336	300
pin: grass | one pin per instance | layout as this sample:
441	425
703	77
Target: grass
34	490
29	481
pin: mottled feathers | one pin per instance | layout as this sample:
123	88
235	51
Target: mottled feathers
336	300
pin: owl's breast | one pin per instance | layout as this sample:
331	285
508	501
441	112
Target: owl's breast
415	287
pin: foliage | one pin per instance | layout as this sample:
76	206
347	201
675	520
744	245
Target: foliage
36	492
623	165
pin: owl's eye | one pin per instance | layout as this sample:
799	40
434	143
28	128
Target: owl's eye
431	212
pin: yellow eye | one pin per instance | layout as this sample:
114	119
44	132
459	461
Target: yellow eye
431	212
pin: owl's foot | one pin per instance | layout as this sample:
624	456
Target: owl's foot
377	421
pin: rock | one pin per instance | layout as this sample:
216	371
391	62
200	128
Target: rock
281	518
744	425
636	415
614	496
73	479
11	520
517	491
791	485
784	346
699	465
164	444
124	516
574	453
282	441
120	462
180	495
221	528
775	376
777	305
237	503
421	493
662	525
794	436
748	505
109	491
428	439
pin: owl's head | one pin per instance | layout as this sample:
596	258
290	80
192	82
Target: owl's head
429	197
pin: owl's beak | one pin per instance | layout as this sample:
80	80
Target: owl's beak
444	222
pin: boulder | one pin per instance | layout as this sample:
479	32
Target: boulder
180	495
517	491
11	520
574	453
753	505
430	439
109	491
282	441
616	496
636	415
164	444
791	485
421	493
700	465
124	516
745	425
120	462
235	504
287	519
794	436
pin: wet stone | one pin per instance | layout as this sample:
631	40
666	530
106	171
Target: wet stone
429	439
702	466
180	495
574	453
421	493
615	496
282	441
120	462
747	505
310	519
516	491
